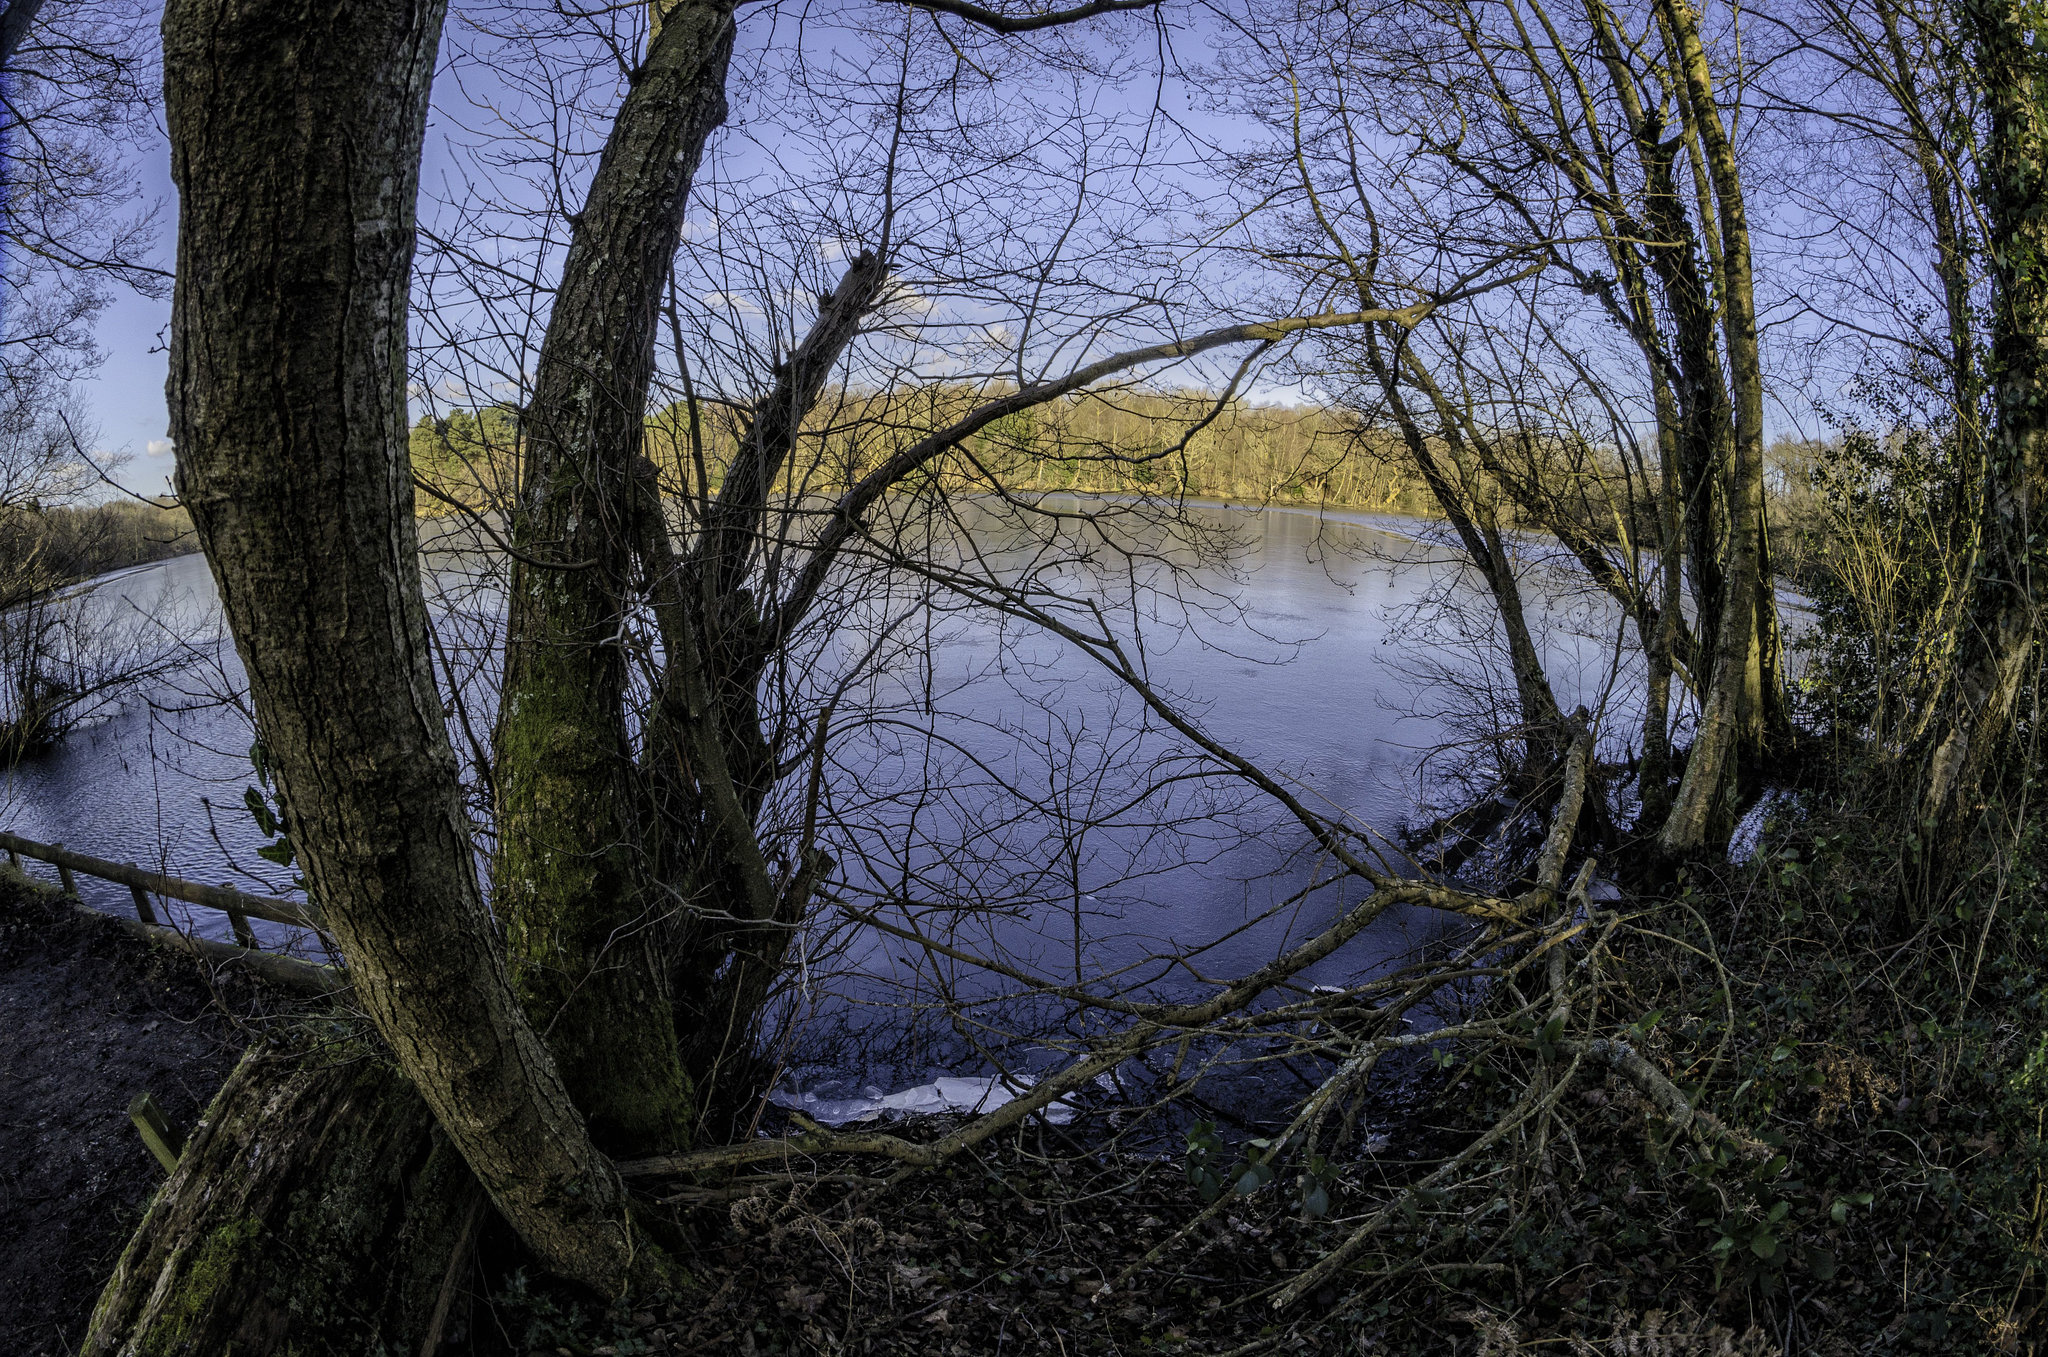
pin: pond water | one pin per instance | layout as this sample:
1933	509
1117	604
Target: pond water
1002	742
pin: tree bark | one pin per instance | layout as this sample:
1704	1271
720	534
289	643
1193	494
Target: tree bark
296	129
1653	777
2001	643
1704	441
570	878
1743	706
316	1209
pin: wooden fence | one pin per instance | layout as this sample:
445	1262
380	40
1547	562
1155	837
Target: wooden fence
239	906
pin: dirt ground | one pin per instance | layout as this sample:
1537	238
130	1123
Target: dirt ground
89	1017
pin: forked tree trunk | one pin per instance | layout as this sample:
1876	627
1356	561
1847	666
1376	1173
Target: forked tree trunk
587	925
296	128
317	1209
2002	638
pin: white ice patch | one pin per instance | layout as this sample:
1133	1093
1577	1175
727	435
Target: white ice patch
1750	828
973	1096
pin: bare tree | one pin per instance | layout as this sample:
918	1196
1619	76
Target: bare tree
297	476
76	80
1590	143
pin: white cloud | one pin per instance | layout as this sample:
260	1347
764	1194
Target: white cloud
902	299
160	447
732	301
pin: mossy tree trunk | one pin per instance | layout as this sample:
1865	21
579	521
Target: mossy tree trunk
317	1209
586	921
296	129
1742	710
2000	645
644	921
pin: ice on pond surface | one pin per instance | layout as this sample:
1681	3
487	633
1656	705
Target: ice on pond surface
944	1094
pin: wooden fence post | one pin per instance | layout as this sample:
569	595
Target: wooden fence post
239	921
164	1142
143	910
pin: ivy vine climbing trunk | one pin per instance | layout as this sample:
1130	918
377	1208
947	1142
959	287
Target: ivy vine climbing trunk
296	130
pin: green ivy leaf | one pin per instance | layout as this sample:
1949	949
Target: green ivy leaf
259	809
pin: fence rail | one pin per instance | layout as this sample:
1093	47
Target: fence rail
239	906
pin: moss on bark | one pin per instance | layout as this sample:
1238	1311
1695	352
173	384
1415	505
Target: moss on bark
317	1210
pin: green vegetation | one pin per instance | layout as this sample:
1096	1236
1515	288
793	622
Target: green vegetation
46	547
1131	442
465	459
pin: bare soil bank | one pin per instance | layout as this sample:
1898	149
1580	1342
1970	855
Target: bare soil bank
89	1017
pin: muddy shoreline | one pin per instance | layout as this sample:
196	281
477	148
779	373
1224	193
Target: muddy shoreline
89	1017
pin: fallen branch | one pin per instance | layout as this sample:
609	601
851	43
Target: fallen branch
1664	1095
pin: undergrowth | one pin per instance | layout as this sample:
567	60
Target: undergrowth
1881	1075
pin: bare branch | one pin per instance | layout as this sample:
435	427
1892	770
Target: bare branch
998	22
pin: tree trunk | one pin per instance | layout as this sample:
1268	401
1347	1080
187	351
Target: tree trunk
1545	737
1695	410
295	136
15	22
1948	214
1743	706
317	1209
1654	775
2003	621
585	924
708	763
1691	403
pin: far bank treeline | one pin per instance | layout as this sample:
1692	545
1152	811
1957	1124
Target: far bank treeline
44	547
1179	443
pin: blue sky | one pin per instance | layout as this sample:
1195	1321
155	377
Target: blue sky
761	165
125	397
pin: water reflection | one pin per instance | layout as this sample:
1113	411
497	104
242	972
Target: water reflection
1325	677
